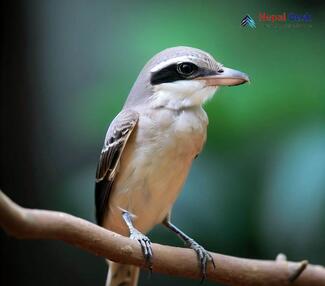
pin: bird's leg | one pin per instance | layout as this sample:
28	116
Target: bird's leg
203	255
141	238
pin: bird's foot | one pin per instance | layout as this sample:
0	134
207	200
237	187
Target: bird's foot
203	255
145	246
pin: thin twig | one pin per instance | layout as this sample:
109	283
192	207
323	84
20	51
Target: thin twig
40	224
295	274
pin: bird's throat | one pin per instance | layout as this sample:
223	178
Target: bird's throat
181	94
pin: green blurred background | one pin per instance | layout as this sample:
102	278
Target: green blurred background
257	189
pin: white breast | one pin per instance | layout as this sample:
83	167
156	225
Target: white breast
154	166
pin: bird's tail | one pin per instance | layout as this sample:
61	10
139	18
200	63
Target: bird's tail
122	274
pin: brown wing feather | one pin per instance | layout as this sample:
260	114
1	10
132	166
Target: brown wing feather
116	138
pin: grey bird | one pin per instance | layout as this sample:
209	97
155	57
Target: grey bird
149	148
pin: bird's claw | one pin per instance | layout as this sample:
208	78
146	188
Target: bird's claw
204	257
145	246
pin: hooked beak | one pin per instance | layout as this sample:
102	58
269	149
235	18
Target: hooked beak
225	76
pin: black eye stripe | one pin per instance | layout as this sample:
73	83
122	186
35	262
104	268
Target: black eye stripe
167	74
173	73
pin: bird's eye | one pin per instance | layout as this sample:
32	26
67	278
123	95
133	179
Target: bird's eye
186	68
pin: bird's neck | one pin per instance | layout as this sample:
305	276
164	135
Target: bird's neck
181	94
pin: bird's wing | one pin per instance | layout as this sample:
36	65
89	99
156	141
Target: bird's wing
116	138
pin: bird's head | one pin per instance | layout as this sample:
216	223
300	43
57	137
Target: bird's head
182	77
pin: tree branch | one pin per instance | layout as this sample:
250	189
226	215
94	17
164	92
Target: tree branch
40	224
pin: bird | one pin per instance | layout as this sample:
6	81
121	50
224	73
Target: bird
149	148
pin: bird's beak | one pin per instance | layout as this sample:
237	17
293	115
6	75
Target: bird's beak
225	76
